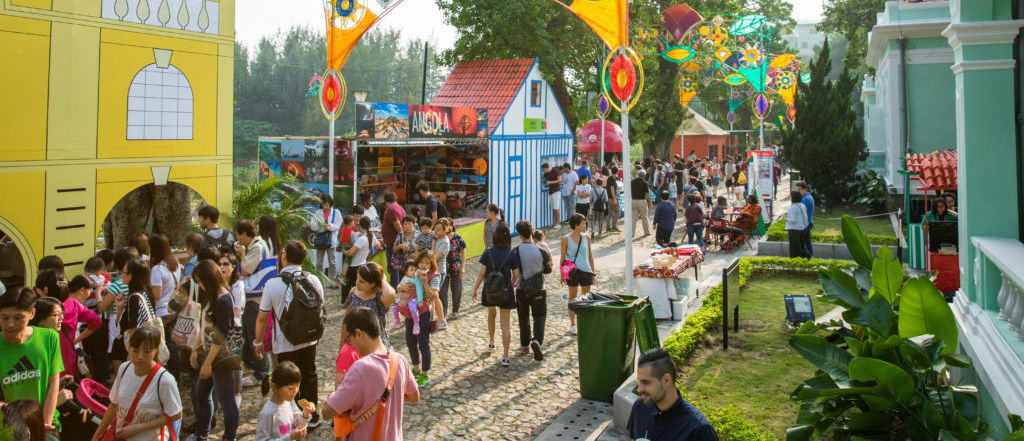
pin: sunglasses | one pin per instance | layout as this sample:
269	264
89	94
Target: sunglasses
225	264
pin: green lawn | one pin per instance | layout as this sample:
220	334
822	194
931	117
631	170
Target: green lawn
828	223
759	370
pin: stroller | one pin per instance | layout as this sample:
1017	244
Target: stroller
80	417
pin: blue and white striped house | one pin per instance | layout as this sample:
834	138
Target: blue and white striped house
527	128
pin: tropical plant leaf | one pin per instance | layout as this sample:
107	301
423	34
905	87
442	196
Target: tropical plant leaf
856	242
863	278
886	274
967	404
876	314
896	383
823	355
870	422
746	25
923	310
840	288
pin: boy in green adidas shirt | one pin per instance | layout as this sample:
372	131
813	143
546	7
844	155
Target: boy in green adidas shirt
30	360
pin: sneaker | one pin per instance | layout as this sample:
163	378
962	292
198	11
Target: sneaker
422	380
315	421
505	361
250	381
572	330
537	354
453	316
490	346
442	324
525	350
416	328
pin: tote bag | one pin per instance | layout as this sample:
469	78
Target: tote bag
186	329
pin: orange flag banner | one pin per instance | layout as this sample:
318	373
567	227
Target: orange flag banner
609	19
346	24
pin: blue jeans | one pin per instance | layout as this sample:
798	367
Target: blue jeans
223	384
260	368
568	205
807	240
697	230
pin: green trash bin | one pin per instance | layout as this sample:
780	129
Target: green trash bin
606	341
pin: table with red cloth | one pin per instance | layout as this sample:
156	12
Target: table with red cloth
660	284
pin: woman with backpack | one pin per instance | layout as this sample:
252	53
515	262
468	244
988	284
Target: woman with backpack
577	270
217	355
496	267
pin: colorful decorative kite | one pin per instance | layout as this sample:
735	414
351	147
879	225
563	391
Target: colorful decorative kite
730	49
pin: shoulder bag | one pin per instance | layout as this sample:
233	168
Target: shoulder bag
186	329
568	266
344	424
111	433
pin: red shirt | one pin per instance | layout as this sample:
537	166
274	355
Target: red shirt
393	214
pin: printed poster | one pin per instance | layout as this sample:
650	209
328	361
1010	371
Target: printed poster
391	121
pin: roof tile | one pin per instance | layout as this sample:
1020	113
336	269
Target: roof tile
936	170
487	84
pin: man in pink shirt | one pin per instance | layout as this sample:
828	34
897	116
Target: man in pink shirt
365	383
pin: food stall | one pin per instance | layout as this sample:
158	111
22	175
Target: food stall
662	278
936	241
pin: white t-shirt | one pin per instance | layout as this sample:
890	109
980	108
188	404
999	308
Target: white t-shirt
149	408
276	298
359	258
163	277
238	299
276	421
585	189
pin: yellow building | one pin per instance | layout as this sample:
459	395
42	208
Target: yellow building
99	97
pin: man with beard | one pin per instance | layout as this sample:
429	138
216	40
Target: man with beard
661	413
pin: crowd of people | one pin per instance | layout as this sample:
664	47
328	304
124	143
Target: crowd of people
241	312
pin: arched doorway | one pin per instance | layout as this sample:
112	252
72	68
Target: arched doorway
13	254
166	209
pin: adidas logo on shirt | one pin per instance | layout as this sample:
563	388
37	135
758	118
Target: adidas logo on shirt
22	370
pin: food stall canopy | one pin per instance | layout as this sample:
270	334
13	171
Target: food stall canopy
588	137
935	171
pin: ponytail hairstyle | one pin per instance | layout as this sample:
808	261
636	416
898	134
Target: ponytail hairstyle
284	374
493	208
211	284
50	283
79	282
45	306
364	224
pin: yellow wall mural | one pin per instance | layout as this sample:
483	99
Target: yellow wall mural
105	96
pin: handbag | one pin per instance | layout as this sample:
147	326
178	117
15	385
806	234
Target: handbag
229	357
186	329
111	433
344	424
324	240
163	354
568	266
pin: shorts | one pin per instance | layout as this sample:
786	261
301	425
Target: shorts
555	199
580	278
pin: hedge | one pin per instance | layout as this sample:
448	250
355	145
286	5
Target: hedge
777	233
728	422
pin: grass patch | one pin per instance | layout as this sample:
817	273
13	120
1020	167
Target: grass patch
757	373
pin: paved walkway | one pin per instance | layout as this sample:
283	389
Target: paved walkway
471	396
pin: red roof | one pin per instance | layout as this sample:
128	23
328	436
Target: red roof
486	84
935	171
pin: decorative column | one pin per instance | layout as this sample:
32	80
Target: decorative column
981	34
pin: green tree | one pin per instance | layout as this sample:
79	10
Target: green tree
852	19
825	144
568	51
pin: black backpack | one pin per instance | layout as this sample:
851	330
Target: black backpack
302	320
224	243
496	285
601	202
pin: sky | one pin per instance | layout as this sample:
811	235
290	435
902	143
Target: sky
255	19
